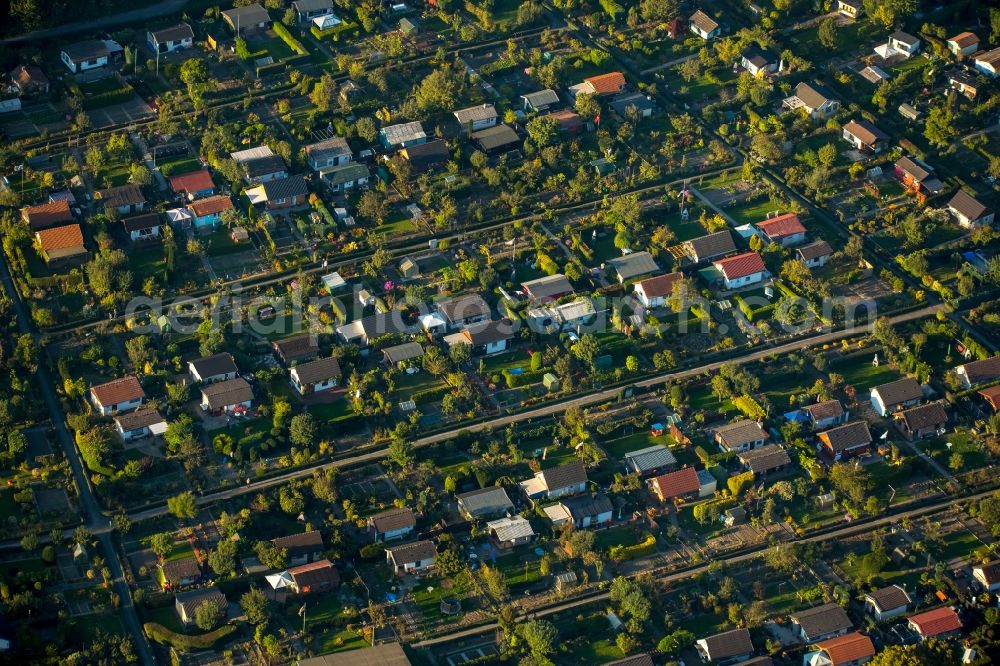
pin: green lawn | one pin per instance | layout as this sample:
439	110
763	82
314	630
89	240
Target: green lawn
862	375
182	549
962	443
754	211
220	242
146	262
275	48
337	640
109	624
622	535
958	544
428	595
599	651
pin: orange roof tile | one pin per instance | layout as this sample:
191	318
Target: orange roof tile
195	181
781	226
847	648
936	622
118	391
211	205
677	484
741	265
60	238
607	84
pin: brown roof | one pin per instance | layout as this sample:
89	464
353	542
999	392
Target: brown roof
703	21
635	660
463	307
765	458
60	238
889	598
712	245
734	435
24	75
412	552
936	622
297	347
140	418
301	543
728	644
677	484
827	409
123	195
924	416
319	370
780	226
846	437
176	570
47	214
991	571
193	598
659	286
847	648
211	205
899	391
606	84
967	206
822	620
985	370
195	181
564	475
321	572
392	520
814	250
229	392
118	391
140	222
866	132
964	39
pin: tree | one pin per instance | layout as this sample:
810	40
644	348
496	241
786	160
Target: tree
659	10
29	541
587	348
689	69
460	353
291	500
366	129
851	480
540	637
401	452
940	126
543	130
673	643
586	105
255	606
827	154
372	206
302	431
139	174
887	12
207	614
139	352
183	505
223	558
437	91
827	33
270	555
193	71
161	544
631	363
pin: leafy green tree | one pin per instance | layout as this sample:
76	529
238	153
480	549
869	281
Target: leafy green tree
270	555
401	452
940	126
255	606
183	505
827	33
543	131
302	431
161	544
207	614
223	558
540	638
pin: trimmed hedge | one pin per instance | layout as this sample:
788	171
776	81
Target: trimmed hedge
523	379
100	100
334	32
621	553
430	395
750	407
500	66
160	634
294	44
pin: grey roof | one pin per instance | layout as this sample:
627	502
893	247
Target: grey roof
583	506
639	100
899	391
924	416
263	166
474	113
296	347
285	188
822	620
919	172
736	434
565	475
177	570
140	418
759	57
848	436
967	206
485	500
173	33
904	37
541	98
889	598
765	458
87	50
704	22
826	409
384	654
248	15
190	600
435	150
392	520
335	146
494	137
140	222
712	245
229	392
312	5
652	457
509	529
319	370
487	332
403	132
123	195
812	95
211	366
463	307
301	543
412	552
728	644
344	173
634	265
403	352
548	287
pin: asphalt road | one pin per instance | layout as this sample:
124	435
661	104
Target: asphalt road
134	16
541	412
850	530
97	523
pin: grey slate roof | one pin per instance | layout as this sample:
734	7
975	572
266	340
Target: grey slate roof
822	620
812	94
899	391
474	113
485	500
403	352
634	265
650	458
173	34
319	370
889	598
229	392
583	506
218	364
463	307
713	245
564	475
541	98
412	552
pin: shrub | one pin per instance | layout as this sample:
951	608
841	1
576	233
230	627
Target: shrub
184	643
621	553
372	551
430	395
294	44
107	98
749	407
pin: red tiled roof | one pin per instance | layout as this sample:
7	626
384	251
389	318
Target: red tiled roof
677	484
606	84
992	394
47	214
195	181
936	622
118	391
781	226
216	204
60	238
847	648
661	285
741	265
964	39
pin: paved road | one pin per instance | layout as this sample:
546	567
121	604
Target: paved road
134	16
850	530
97	523
545	411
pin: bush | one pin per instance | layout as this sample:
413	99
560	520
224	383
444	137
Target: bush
703	455
107	98
523	379
750	408
294	44
184	643
645	547
430	395
372	551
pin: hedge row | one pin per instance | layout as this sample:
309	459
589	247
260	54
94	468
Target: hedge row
504	64
286	37
621	553
430	395
523	379
100	100
160	634
334	32
750	407
760	313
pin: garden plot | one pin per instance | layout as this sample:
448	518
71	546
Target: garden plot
234	266
18	126
51	501
130	111
371	491
38	443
